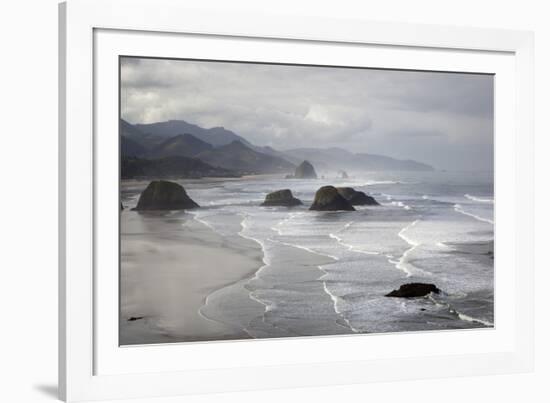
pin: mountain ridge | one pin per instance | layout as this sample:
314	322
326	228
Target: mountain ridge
185	145
176	166
178	137
239	157
338	158
217	136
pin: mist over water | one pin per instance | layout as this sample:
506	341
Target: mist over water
327	272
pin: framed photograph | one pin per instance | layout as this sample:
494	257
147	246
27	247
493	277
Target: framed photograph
247	206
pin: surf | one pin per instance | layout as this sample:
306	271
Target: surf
458	208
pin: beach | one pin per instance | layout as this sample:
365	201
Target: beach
232	269
171	263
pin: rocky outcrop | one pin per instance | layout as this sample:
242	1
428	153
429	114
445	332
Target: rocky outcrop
357	198
412	290
305	171
282	197
344	175
327	198
164	195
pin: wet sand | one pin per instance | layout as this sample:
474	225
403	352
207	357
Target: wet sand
169	264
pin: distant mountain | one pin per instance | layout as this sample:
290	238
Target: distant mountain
147	140
217	136
221	147
237	156
185	145
129	130
338	159
179	167
275	153
131	148
322	158
373	162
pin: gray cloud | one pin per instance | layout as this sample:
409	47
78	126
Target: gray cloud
445	119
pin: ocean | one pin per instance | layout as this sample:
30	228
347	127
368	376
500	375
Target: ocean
326	273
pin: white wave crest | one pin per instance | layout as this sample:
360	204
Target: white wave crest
473	320
401	264
478	199
458	208
349	247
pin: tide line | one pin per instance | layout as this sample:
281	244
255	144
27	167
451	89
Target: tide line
458	209
349	247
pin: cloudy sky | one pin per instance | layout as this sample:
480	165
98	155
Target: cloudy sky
444	119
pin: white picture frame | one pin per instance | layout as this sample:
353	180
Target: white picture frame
92	366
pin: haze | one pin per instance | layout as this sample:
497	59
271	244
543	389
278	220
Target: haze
443	119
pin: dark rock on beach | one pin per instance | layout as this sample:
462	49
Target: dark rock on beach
357	198
327	198
305	171
282	197
412	290
134	318
164	195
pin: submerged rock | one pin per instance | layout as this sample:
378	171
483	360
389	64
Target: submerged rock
327	198
282	197
164	195
305	171
357	198
412	290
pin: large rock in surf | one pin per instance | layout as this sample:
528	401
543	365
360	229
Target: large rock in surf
305	171
357	198
282	197
327	198
164	195
412	290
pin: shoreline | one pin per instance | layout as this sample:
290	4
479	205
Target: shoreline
229	271
164	254
253	289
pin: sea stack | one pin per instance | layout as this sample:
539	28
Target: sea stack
327	198
164	195
357	198
412	290
282	197
305	171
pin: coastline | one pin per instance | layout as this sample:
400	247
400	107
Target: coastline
234	270
163	254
